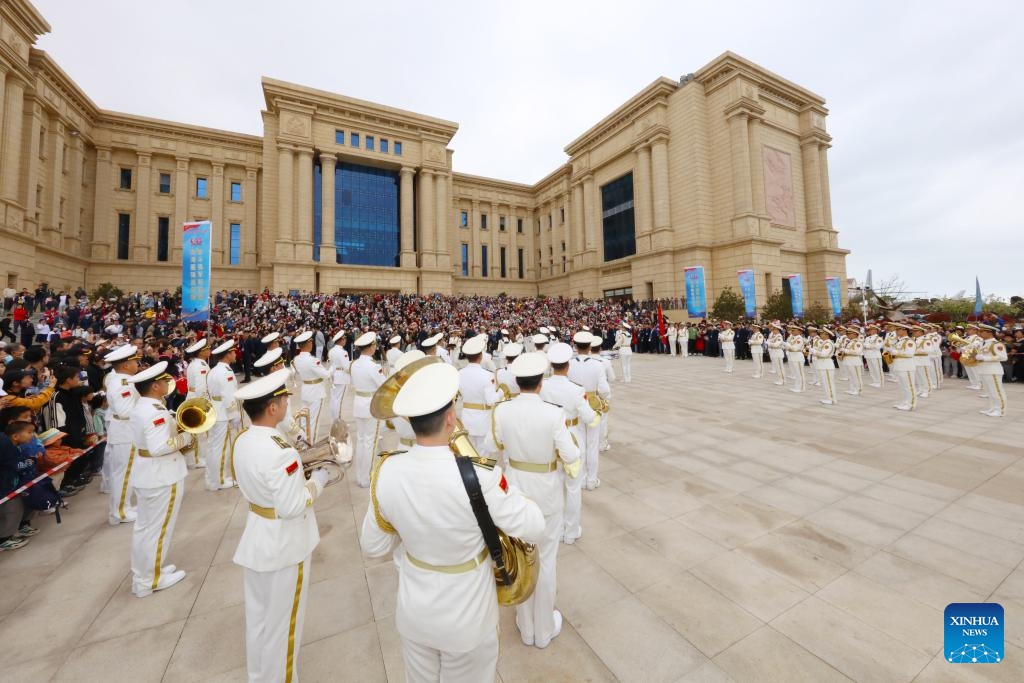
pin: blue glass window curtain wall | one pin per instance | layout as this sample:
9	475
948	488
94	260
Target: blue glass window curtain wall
617	218
366	228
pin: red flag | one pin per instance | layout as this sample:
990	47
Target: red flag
661	325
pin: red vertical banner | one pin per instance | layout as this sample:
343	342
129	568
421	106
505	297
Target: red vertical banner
661	325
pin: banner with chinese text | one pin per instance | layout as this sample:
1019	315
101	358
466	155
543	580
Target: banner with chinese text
747	289
833	296
796	293
696	296
195	271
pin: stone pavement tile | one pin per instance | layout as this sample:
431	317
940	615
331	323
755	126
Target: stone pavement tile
709	673
627	479
735	521
1013	586
352	656
96	568
238	675
857	525
953	471
923	584
702	615
853	647
767	655
584	587
1005	486
47	550
775	495
1010	670
855	470
34	670
124	613
687	462
792	458
629	512
810	487
1013	628
337	555
140	656
222	587
227	545
382	582
886	493
598	524
729	480
670	499
566	659
989	521
630	561
335	606
17	584
679	544
888	611
837	478
210	644
196	551
47	629
1008	510
391	649
756	470
972	541
881	512
978	572
757	590
638	646
791	560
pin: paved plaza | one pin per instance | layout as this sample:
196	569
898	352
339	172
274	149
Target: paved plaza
741	532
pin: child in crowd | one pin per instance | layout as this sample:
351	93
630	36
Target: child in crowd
16	468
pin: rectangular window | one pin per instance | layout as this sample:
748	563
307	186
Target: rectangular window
563	247
501	224
520	259
236	192
463	219
483	221
563	264
353	140
465	260
126	178
163	231
339	137
369	143
165	183
39	196
64	160
398	148
365	230
384	145
504	267
236	243
124	222
483	260
200	188
519	225
563	214
617	218
550	222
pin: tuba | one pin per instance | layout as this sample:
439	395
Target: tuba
968	353
196	415
516	572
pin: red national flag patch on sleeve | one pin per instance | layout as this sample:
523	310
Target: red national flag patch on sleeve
291	468
231	379
202	372
125	394
159	421
503	484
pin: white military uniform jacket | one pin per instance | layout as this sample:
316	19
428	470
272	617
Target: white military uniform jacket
795	344
923	348
873	346
197	372
222	387
366	377
854	351
338	358
776	344
158	445
623	342
755	342
312	375
121	399
562	391
529	430
392	357
589	373
479	393
269	474
991	355
448	612
903	350
823	350
505	377
725	337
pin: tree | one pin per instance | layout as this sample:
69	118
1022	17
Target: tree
107	291
817	312
777	307
728	306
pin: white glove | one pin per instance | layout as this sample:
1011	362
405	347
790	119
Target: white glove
320	476
572	468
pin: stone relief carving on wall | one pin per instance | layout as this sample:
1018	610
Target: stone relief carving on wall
778	187
296	125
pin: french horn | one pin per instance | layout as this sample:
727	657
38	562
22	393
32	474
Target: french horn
196	415
516	575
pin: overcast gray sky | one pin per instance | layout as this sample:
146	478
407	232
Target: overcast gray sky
926	98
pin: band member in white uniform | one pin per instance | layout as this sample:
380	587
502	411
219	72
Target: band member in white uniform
337	357
280	533
795	355
430	346
312	375
623	343
270	362
393	353
159	480
589	373
903	366
811	376
120	451
609	372
447	610
777	353
504	377
935	355
756	343
367	375
873	355
222	387
853	359
479	393
727	339
974	341
532	435
991	357
822	350
922	364
196	374
406	437
673	336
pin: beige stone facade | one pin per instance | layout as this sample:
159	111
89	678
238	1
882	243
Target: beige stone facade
729	171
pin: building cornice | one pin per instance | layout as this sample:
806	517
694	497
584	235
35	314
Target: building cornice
58	79
27	17
656	92
728	65
161	128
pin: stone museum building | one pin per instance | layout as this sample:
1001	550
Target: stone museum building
726	168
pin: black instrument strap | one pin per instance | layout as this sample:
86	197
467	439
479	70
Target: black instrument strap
483	515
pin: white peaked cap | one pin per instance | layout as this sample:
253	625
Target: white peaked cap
274	384
366	339
225	347
543	330
582	337
273	336
303	337
121	353
430	341
512	350
540	339
337	335
198	346
429	389
595	340
474	346
269	358
150	373
560	353
408	357
396	339
529	365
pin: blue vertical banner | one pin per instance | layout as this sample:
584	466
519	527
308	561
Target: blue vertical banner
696	295
977	297
833	296
747	289
195	271
796	293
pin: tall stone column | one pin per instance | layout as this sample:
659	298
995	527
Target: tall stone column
3	96
590	204
73	217
642	208
579	245
328	246
513	240
248	245
14	99
426	220
531	246
739	147
826	194
103	211
407	217
55	181
304	208
221	238
662	237
143	225
546	248
443	208
475	270
812	182
32	170
492	250
285	204
757	165
182	191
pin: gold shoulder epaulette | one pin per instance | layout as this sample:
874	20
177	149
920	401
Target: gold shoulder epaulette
280	442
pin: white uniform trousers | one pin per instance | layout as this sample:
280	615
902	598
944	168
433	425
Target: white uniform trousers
875	370
827	379
672	345
154	529
275	609
573	498
218	467
426	665
337	397
730	358
778	367
796	368
758	355
536	617
590	462
195	457
909	387
367	433
315	423
843	372
993	387
106	476
937	373
973	379
922	379
604	432
856	373
627	373
121	456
